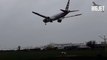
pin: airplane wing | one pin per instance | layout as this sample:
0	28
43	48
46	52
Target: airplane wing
39	14
73	15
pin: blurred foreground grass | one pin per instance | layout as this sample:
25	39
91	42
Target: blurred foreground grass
48	54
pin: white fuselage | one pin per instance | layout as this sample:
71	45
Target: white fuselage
59	16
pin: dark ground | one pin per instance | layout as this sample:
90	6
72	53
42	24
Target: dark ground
54	55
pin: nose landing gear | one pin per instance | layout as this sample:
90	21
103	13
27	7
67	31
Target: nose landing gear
45	23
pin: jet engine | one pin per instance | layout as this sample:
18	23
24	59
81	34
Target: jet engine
59	20
46	20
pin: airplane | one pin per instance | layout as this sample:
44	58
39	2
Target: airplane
94	4
58	17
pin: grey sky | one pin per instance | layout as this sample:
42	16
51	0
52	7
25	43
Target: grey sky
18	26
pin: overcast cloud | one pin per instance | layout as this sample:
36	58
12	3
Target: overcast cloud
18	26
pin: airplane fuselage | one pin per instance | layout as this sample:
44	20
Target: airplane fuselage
59	16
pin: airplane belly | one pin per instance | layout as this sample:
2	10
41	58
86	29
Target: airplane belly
58	16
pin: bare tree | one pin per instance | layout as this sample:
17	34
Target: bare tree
19	48
91	44
105	39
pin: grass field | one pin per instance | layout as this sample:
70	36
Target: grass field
50	54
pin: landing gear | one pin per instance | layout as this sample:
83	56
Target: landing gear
51	21
45	23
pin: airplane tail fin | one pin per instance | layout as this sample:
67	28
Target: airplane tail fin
67	6
94	3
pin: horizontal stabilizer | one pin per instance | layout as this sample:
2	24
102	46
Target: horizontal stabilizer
63	10
73	15
74	11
